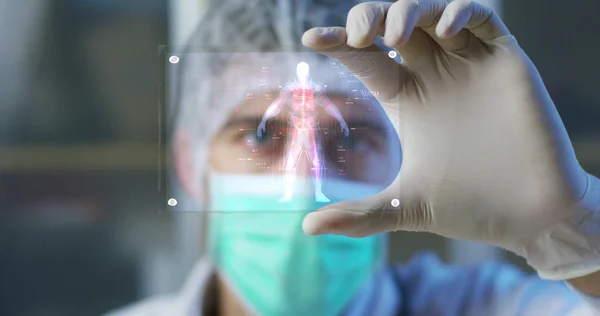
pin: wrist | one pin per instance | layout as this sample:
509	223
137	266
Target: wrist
571	249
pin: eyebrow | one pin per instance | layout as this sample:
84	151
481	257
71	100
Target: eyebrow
241	123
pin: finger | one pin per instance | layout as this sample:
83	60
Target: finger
405	29
419	51
478	19
404	15
370	216
365	21
371	65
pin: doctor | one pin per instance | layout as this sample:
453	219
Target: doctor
485	158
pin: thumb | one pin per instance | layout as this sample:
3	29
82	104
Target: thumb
381	213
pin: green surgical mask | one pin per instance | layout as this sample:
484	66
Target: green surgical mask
263	255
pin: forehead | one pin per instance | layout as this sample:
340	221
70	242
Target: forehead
250	82
270	70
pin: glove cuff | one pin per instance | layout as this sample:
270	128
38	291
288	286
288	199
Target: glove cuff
571	249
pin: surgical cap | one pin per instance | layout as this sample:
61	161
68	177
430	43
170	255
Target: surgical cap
235	34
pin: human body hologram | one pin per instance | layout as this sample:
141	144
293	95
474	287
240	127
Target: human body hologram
306	95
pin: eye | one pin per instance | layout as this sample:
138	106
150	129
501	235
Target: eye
364	141
360	143
250	138
269	146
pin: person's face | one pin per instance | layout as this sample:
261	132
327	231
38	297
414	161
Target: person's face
368	154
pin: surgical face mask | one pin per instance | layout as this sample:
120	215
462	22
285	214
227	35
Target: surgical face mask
263	255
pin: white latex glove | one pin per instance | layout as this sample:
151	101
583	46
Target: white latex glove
485	155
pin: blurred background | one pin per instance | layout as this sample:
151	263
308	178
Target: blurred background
80	227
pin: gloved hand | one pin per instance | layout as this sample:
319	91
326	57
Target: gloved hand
485	155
